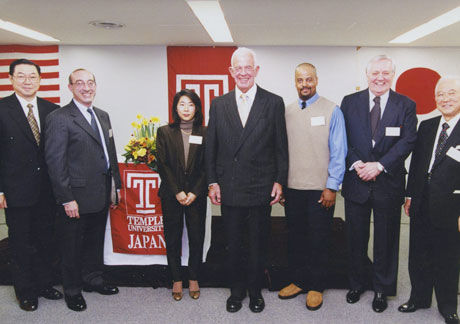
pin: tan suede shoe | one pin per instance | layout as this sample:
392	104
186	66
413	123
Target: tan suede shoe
290	291
314	300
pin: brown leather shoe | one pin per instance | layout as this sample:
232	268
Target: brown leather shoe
290	291
177	295
194	294
314	300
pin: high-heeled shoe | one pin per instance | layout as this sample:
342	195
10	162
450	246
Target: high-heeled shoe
194	294
177	295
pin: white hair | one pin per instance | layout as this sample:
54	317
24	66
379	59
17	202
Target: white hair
454	78
244	51
380	58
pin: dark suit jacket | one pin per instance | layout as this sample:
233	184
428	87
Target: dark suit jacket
444	205
23	172
245	162
175	175
390	151
76	160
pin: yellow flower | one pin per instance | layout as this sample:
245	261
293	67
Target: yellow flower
155	119
145	122
134	124
138	126
139	116
141	152
132	141
127	148
135	154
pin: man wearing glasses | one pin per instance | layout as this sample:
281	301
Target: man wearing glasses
80	153
25	189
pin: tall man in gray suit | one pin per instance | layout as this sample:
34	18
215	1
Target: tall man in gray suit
247	164
80	153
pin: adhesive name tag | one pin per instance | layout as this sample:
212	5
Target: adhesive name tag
392	131
456	191
453	153
318	121
195	139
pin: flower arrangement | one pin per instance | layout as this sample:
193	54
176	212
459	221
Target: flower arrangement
141	147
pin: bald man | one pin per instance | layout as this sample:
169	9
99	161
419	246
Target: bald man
317	148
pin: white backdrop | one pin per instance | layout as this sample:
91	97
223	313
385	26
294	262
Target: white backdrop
133	79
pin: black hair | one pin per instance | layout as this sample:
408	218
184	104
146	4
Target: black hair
23	61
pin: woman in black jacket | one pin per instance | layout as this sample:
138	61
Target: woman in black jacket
183	190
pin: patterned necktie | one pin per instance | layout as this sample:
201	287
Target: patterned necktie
244	109
33	123
442	140
93	123
375	116
304	104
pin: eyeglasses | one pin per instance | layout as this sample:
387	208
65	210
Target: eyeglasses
239	69
446	95
22	78
81	83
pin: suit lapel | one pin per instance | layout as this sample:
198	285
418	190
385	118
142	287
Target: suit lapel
192	149
428	144
179	142
389	113
257	110
452	140
104	125
231	109
81	121
17	114
363	114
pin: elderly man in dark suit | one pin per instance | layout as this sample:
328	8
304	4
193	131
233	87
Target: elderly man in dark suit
381	132
247	164
434	206
25	189
80	153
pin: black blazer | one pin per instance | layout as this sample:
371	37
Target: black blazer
390	151
76	159
245	162
23	172
444	204
175	175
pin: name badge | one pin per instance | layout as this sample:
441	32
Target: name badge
195	139
453	153
456	191
110	133
392	131
318	121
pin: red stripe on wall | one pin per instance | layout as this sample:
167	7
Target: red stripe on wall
44	75
29	49
39	62
55	100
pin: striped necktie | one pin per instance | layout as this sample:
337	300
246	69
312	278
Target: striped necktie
33	123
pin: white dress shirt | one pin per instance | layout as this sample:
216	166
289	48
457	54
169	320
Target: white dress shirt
244	105
452	124
24	104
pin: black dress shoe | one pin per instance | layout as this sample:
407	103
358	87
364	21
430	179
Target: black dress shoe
452	318
76	303
410	307
29	304
379	304
353	295
51	293
103	289
256	303
233	304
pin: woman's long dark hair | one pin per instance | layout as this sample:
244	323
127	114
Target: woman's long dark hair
198	118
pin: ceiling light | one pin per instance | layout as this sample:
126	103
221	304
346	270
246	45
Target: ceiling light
106	24
433	25
9	26
211	16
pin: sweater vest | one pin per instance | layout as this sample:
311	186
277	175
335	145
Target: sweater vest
308	140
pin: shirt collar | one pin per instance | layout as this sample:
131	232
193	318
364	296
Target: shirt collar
452	123
24	102
82	107
251	93
383	98
309	101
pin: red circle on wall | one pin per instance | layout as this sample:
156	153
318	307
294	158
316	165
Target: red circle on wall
418	84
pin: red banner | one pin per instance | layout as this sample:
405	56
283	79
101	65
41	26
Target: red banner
203	69
137	223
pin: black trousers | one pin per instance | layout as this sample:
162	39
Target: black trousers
434	261
173	220
246	267
82	246
387	222
309	225
31	240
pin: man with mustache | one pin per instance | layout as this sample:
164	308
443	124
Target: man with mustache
317	149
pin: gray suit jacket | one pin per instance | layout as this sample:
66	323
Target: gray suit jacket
76	160
245	162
